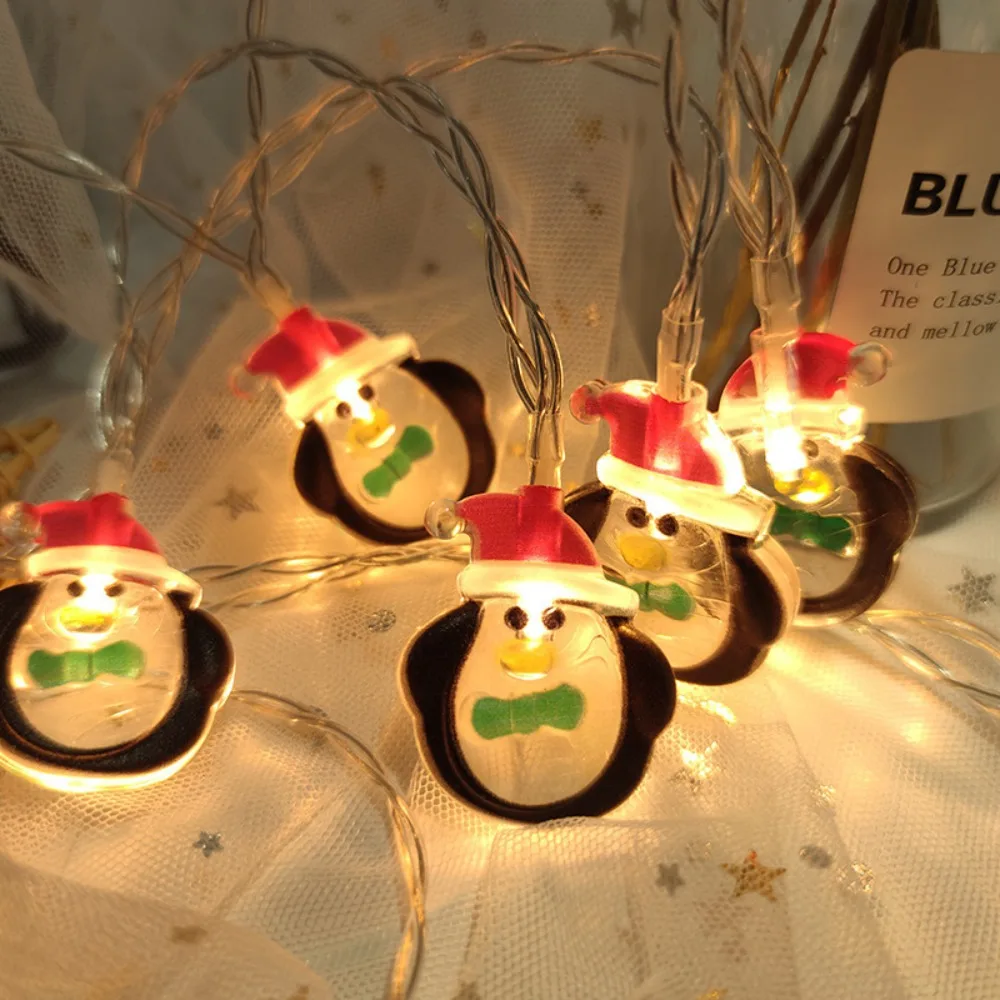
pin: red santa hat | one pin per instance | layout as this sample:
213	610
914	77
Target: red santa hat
525	540
308	356
672	456
824	365
99	535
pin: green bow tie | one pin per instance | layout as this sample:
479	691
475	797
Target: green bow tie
414	443
672	600
48	670
831	533
560	708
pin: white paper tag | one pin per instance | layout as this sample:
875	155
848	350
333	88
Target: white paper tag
922	270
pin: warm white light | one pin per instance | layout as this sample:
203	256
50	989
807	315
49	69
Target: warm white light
349	391
535	599
537	739
716	708
697	763
93	669
783	451
89	617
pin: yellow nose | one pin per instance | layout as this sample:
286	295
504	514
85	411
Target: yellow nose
371	433
526	658
813	487
642	552
87	621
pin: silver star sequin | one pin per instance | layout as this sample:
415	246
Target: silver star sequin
824	797
381	620
975	592
238	502
858	879
698	767
208	843
624	21
669	877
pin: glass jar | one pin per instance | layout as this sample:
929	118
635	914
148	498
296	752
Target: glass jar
868	104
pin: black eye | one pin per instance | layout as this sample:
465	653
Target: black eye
554	618
114	589
667	525
515	618
343	410
366	392
637	517
74	588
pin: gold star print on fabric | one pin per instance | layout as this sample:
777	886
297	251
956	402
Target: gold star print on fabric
752	876
590	130
595	209
714	995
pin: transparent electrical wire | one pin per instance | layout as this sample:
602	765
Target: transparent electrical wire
765	212
118	435
537	373
353	102
697	212
288	576
260	179
409	846
878	625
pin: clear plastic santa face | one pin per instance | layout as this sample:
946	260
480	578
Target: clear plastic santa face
538	704
99	663
679	570
395	446
817	515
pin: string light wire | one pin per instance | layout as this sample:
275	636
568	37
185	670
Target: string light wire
696	214
537	374
407	841
288	576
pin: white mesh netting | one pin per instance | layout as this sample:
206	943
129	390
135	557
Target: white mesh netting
872	787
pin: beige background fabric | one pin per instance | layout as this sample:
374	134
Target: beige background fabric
874	787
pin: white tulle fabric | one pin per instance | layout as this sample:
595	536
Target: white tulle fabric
873	787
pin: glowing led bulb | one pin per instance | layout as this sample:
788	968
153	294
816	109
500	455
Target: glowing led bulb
783	449
109	677
93	608
526	695
811	488
844	509
384	434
